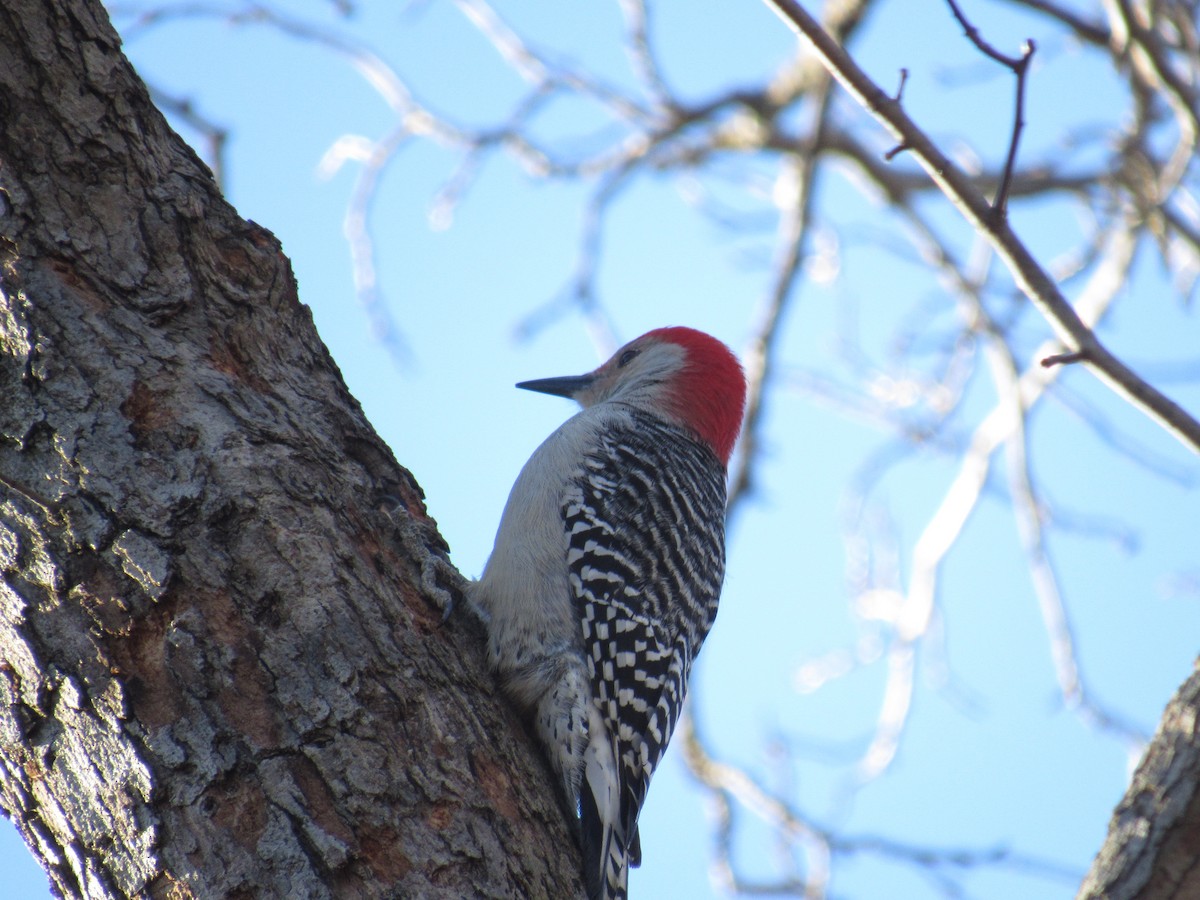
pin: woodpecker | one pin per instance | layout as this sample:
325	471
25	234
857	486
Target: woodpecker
606	572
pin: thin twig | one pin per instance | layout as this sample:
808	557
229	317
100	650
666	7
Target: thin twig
1019	66
1032	279
1059	359
823	844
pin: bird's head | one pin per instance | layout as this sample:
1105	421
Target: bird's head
679	374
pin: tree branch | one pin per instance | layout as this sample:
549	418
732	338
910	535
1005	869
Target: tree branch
1028	274
1019	66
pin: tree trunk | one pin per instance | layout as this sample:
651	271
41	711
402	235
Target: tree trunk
220	674
1153	847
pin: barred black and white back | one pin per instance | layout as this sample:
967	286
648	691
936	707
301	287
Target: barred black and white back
646	557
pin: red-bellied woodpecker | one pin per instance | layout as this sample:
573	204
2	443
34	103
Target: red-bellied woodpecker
606	573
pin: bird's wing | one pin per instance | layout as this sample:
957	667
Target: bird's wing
645	524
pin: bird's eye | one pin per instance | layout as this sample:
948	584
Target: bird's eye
625	358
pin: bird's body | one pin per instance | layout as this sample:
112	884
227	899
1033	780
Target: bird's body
606	572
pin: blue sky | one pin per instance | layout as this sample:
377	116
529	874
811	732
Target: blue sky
989	757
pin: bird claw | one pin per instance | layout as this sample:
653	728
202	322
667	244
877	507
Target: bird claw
440	582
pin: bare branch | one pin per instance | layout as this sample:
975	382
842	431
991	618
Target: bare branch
1029	275
822	845
1019	66
1062	359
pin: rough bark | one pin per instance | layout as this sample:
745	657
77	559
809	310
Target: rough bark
219	674
1151	849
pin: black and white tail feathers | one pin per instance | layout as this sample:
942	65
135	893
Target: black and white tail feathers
608	828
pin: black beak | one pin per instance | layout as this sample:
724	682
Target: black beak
566	386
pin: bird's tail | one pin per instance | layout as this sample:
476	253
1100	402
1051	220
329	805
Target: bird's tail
610	844
605	864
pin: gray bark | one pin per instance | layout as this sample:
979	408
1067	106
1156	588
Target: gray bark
1152	851
219	673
